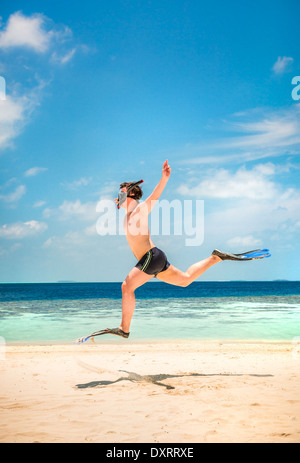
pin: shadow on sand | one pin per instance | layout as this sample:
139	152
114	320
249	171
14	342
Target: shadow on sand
156	379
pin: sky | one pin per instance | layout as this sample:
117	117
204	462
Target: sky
104	92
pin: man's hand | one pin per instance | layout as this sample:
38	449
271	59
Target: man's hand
166	172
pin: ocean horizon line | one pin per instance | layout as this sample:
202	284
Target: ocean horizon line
151	281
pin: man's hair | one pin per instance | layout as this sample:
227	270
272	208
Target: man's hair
136	192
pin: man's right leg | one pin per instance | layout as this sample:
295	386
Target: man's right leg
174	276
134	279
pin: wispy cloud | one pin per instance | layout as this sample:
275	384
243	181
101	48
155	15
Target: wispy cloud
9	249
39	203
16	111
259	134
72	239
63	59
282	65
15	196
245	242
20	230
13	113
108	191
33	171
76	184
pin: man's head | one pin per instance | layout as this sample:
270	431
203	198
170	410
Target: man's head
129	190
135	192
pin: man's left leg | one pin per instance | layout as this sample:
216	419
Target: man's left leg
134	279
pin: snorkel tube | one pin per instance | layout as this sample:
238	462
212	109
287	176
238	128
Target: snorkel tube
123	195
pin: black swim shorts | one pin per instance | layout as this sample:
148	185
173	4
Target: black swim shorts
153	262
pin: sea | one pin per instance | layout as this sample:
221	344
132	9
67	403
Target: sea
208	310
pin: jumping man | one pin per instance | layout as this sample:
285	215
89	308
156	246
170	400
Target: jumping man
152	262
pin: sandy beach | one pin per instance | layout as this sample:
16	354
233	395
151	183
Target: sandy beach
164	392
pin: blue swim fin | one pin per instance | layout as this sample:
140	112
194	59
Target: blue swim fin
259	254
249	255
266	251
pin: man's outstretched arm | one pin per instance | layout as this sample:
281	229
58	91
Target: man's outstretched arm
155	195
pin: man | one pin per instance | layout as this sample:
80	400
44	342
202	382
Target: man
152	262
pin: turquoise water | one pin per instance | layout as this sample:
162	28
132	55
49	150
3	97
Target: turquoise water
64	312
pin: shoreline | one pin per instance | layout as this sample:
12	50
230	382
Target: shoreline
121	342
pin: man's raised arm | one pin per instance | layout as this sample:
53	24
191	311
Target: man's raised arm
151	200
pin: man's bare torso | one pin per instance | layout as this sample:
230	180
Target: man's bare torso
137	231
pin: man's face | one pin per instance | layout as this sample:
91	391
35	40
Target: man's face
124	204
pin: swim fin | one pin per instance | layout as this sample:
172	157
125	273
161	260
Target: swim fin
115	331
249	255
255	250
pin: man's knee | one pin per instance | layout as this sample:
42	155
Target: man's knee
184	284
127	287
185	281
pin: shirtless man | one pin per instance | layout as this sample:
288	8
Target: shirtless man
152	262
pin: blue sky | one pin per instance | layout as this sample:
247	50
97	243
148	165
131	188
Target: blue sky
104	92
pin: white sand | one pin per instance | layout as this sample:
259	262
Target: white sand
183	392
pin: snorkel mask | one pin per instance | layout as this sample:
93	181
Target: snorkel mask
122	196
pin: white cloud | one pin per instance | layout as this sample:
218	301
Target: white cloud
83	181
39	34
63	59
35	32
39	203
33	171
21	230
25	31
15	113
282	64
109	190
8	182
73	241
73	210
15	195
91	230
223	184
244	241
266	220
12	113
78	210
251	209
265	133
